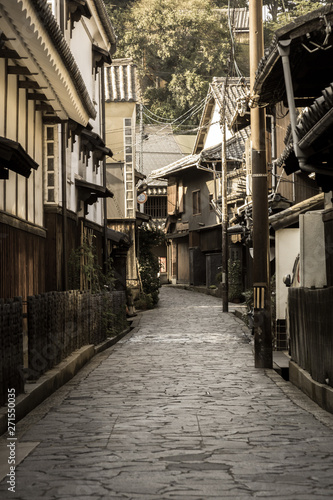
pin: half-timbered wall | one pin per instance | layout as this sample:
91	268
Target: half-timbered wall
21	198
20	122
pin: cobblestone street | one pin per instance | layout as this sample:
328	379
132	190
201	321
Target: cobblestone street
176	410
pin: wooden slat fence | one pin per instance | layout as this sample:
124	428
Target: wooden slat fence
11	347
61	322
311	335
58	323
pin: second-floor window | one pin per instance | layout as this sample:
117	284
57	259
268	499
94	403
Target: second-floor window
50	155
196	202
156	207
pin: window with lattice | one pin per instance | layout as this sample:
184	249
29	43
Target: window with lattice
156	207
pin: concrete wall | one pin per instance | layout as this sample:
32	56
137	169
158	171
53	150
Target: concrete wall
313	257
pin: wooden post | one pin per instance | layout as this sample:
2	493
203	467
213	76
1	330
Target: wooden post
261	276
225	287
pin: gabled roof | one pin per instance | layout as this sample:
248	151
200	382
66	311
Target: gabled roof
236	96
190	161
311	48
121	81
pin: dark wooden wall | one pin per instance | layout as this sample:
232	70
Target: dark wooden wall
22	267
311	340
54	257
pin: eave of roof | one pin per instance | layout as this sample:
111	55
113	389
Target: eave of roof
314	131
107	25
178	166
118	237
235	149
309	72
89	192
14	157
47	57
291	215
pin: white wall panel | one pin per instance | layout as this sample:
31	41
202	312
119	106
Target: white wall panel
11	128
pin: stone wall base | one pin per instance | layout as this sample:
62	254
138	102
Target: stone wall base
320	393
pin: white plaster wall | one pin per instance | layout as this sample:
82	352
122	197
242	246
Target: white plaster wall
39	194
81	48
2	95
214	135
31	152
287	247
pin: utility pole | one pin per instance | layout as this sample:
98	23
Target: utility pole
225	287
261	275
141	139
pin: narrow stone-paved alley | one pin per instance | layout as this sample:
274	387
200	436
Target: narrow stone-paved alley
176	410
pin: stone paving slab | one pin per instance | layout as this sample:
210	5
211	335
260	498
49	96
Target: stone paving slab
176	410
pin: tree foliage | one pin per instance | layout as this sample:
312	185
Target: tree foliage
178	47
284	11
148	262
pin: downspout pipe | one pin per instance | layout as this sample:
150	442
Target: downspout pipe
273	127
284	51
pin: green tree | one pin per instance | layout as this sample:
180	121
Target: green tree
289	9
180	45
149	264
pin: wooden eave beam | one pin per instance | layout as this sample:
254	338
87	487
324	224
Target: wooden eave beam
19	70
35	96
44	107
52	120
10	54
28	84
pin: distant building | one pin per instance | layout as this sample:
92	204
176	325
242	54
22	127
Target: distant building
159	146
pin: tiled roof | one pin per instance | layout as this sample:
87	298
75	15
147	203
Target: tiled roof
314	131
311	43
239	18
105	19
236	97
235	150
159	148
120	81
236	144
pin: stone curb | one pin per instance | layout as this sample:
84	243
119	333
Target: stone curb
37	392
